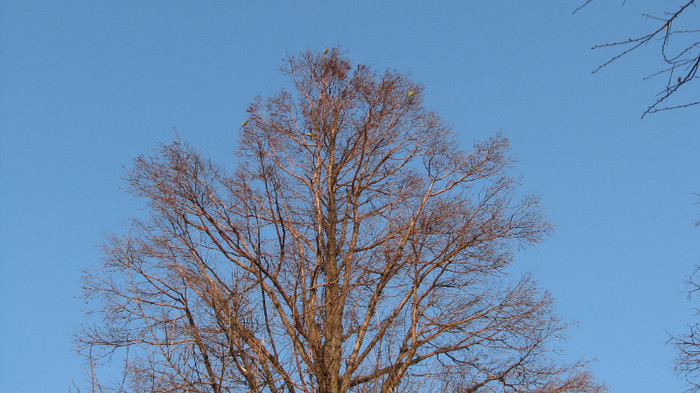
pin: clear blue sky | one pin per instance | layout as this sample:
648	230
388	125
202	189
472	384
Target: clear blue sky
86	86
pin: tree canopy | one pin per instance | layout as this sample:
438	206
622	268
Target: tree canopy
355	248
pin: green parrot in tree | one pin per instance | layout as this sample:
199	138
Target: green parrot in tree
410	94
325	51
244	123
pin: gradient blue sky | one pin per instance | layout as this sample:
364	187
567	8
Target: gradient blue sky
86	86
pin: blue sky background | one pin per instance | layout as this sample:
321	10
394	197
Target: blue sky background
86	86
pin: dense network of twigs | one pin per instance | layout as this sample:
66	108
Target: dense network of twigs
356	248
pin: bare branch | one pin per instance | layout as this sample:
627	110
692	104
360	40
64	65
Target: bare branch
679	48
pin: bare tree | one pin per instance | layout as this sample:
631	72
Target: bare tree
356	248
677	35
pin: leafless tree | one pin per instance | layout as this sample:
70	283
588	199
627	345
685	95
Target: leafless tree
356	248
677	34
